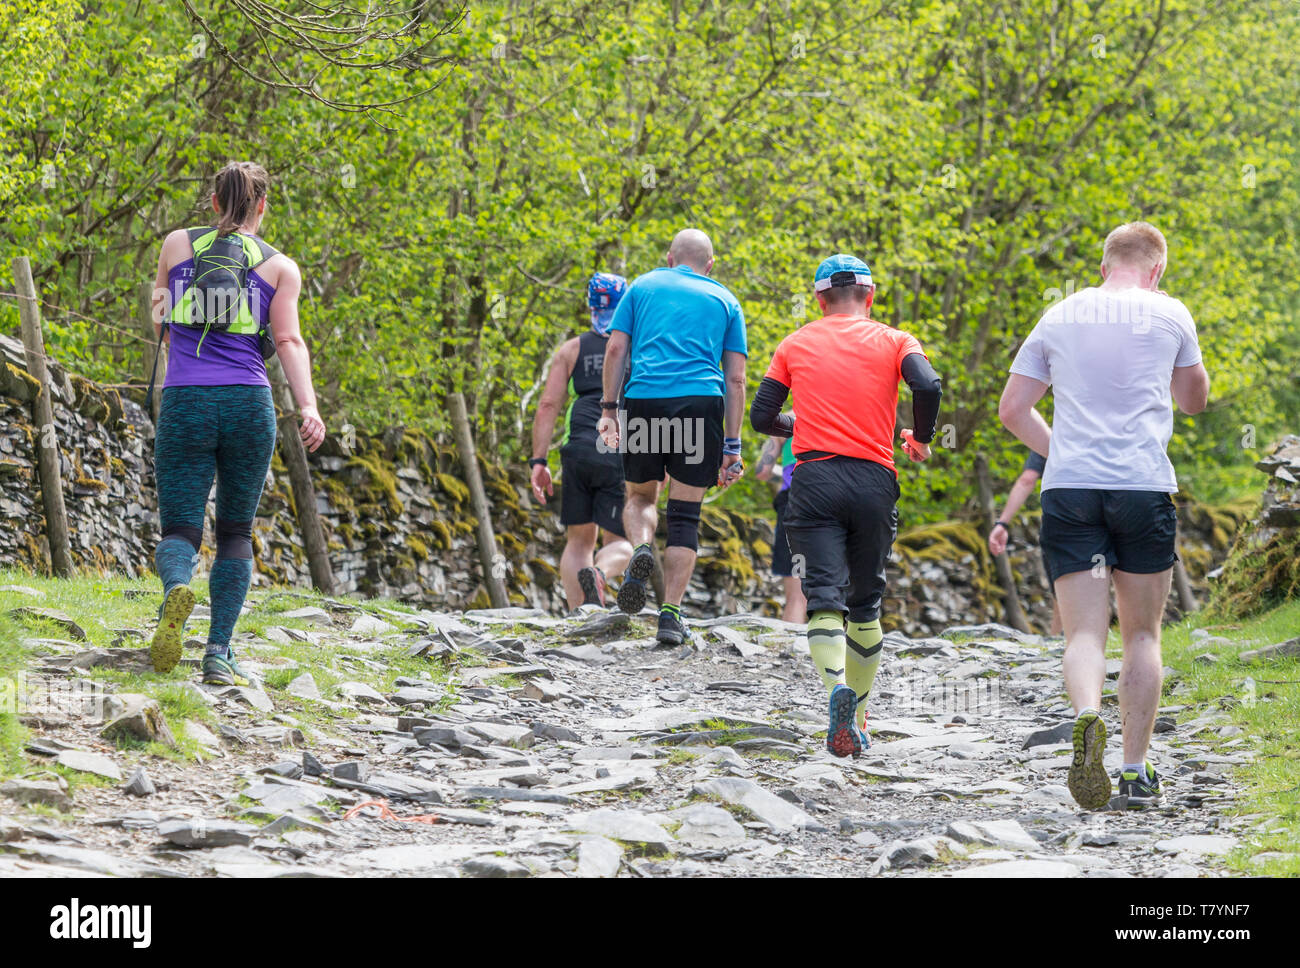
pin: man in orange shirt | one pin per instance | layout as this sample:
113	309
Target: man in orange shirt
844	370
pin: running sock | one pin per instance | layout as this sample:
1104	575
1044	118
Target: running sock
174	560
1139	768
826	644
862	659
674	610
1084	712
227	586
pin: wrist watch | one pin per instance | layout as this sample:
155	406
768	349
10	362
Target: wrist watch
1003	523
537	462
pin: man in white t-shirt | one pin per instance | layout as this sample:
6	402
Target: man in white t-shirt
1112	355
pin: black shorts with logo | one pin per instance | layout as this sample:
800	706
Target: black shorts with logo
591	492
678	435
1134	531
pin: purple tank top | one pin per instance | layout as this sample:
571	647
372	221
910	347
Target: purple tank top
225	359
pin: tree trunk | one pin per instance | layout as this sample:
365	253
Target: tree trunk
294	455
493	573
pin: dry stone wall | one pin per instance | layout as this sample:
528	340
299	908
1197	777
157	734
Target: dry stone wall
398	522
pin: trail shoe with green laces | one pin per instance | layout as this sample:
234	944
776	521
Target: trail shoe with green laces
168	638
223	670
672	630
592	582
1088	781
843	738
1140	791
631	594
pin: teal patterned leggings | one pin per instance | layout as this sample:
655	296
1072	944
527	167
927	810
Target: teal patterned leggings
226	433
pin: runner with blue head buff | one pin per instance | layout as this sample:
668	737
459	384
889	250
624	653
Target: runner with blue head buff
591	478
603	293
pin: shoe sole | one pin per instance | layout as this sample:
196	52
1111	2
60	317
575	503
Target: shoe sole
1089	782
842	735
218	679
168	639
1140	802
631	594
590	588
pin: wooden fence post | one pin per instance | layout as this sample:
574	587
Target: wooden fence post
294	454
487	542
49	463
1183	587
1015	614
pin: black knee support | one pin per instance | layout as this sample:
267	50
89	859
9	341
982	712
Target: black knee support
193	535
234	539
683	524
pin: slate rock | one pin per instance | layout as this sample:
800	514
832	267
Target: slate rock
1291	647
140	785
782	817
51	793
311	615
62	620
201	832
312	766
356	770
304	687
561	734
446	736
599	857
917	853
629	826
285	768
369	625
519	737
707	825
84	761
141	719
992	833
494	867
362	692
416	696
1060	733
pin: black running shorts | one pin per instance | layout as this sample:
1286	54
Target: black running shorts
591	493
781	564
841	522
1133	531
678	435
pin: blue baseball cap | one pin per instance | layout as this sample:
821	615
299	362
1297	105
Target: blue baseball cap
841	270
603	293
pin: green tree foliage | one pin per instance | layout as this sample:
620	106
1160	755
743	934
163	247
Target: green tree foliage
448	182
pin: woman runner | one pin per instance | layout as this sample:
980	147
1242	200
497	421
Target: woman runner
218	289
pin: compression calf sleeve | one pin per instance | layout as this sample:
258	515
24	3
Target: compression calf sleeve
826	645
861	660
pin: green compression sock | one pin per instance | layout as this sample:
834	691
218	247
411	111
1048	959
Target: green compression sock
862	659
826	643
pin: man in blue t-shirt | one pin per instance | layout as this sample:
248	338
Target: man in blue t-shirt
685	336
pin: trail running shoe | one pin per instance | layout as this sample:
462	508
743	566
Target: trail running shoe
631	594
1141	791
168	638
842	735
592	581
223	670
672	630
1089	782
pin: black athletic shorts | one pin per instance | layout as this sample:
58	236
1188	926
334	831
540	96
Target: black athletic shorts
591	493
1133	531
841	522
781	564
679	435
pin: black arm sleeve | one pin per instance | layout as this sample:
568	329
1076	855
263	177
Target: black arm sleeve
927	391
765	414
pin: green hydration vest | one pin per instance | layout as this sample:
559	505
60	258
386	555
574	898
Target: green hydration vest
218	296
217	299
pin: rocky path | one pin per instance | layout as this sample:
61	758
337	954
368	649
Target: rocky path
575	747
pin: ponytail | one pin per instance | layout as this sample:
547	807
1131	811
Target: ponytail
239	187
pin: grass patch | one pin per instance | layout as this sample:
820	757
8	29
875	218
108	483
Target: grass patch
1263	699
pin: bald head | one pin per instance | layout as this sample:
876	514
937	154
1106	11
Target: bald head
691	247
